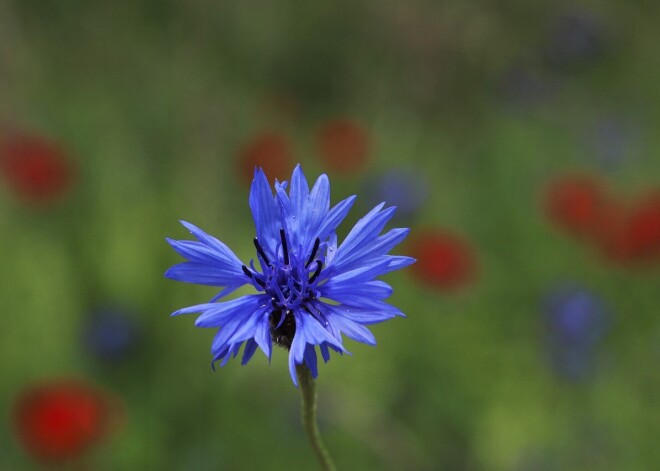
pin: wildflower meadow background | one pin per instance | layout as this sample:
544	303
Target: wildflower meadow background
520	143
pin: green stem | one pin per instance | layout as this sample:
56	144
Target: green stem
308	389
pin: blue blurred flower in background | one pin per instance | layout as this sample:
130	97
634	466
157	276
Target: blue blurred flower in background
575	39
404	188
110	333
522	87
609	140
576	321
310	291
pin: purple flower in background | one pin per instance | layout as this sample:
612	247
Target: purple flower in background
576	321
110	334
609	140
310	290
575	39
522	86
404	188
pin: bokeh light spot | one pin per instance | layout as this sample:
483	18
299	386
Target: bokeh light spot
444	260
269	150
38	170
58	420
343	146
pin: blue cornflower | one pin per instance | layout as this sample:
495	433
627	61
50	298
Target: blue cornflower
309	290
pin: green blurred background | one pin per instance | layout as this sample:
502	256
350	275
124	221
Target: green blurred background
153	101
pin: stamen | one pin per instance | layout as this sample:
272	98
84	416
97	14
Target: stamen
253	276
285	249
319	265
261	252
317	242
278	291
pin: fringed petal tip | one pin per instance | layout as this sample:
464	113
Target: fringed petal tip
185	310
187	225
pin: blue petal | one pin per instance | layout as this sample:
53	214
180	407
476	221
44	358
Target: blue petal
310	360
226	291
313	332
333	218
194	251
363	233
195	308
352	329
317	208
366	316
308	331
264	212
263	338
361	274
299	193
203	274
219	356
226	353
325	353
211	262
220	313
331	250
296	354
235	348
238	329
383	264
399	261
288	218
347	291
221	249
250	348
364	304
347	261
231	353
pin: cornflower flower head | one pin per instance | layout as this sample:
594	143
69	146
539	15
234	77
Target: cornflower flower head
310	290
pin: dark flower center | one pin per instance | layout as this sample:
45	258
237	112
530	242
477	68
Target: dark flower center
291	282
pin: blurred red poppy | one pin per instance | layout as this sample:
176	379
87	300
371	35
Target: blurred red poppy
343	146
576	204
636	235
59	420
624	233
269	150
37	169
444	260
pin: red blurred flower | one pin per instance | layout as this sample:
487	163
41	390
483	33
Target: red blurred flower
636	236
343	146
269	150
59	420
624	233
577	204
444	260
36	168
